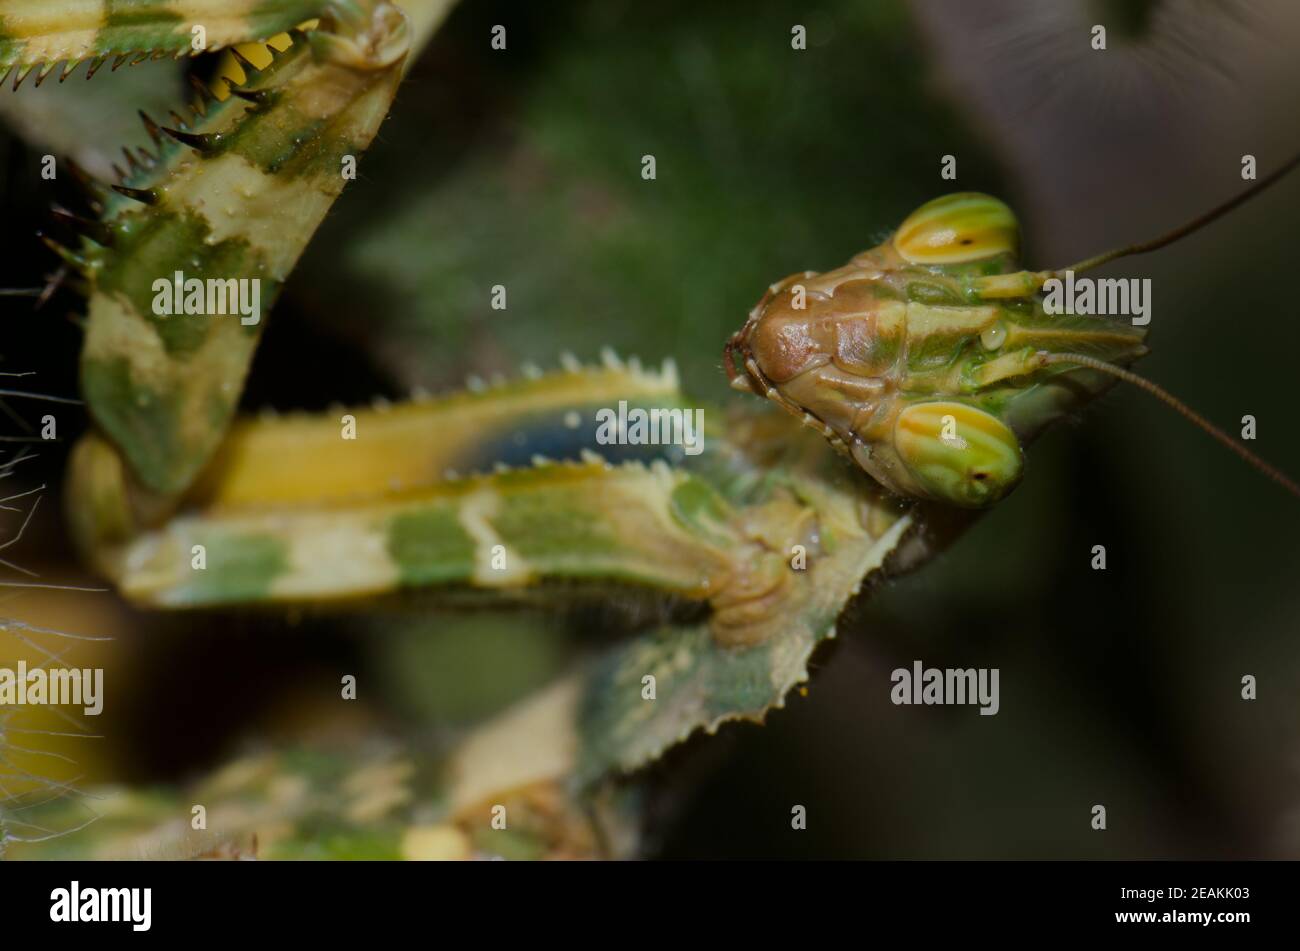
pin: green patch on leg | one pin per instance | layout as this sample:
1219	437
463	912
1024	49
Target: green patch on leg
554	530
148	424
131	25
335	841
139	25
239	568
701	510
430	546
137	13
150	247
285	143
166	401
137	416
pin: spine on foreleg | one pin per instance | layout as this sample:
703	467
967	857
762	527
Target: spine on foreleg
224	212
37	35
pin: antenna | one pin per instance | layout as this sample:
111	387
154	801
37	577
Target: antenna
1025	283
1160	393
1182	231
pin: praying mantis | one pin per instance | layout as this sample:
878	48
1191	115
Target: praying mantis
906	385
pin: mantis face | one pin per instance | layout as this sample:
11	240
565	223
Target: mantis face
904	366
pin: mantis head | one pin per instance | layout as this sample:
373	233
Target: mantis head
931	359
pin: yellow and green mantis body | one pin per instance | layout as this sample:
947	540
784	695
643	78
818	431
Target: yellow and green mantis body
907	384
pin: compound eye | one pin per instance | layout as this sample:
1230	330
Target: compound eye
959	454
956	229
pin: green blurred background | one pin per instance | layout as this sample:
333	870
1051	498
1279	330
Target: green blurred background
523	168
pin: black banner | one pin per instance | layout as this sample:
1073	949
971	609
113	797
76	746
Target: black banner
333	901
